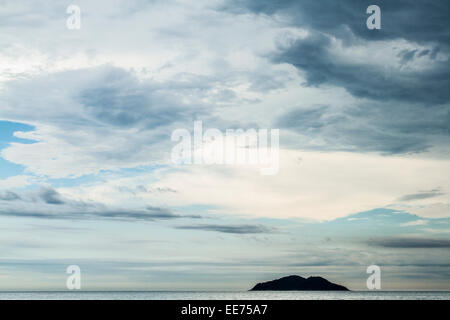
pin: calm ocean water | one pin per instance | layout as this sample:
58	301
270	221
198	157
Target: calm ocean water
272	295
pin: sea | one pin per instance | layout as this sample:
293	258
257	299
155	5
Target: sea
250	295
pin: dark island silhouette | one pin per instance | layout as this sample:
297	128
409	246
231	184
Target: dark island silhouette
297	283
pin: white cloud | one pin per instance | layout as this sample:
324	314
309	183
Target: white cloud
313	185
18	181
419	222
429	209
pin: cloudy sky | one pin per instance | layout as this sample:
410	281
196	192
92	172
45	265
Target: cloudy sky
86	117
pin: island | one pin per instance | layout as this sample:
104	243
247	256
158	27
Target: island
297	283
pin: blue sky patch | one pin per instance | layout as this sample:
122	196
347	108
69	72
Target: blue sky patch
7	129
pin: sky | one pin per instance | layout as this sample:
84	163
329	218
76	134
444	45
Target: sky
86	123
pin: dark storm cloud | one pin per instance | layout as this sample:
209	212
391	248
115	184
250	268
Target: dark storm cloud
416	21
407	109
313	57
419	21
421	195
410	243
238	229
380	127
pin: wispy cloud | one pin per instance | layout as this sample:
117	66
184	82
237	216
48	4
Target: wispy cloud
48	203
238	229
422	195
412	243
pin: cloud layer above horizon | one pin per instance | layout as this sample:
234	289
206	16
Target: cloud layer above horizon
86	118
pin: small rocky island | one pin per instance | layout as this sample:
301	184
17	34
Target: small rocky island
297	283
